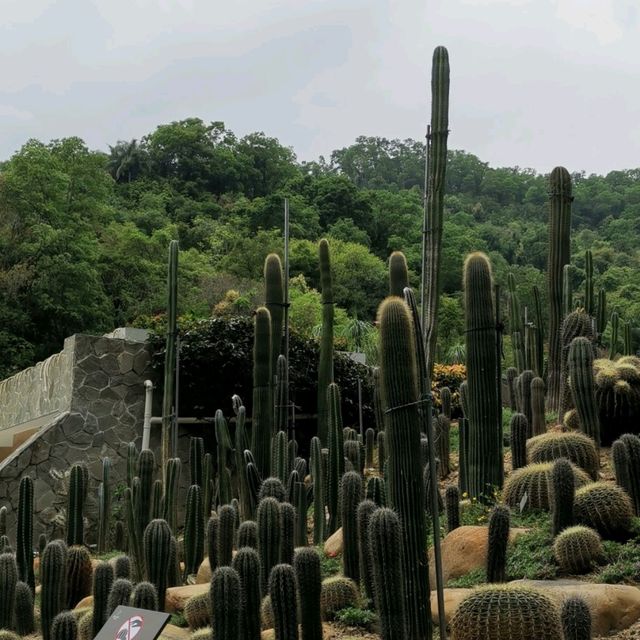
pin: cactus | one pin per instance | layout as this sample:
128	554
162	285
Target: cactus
225	604
102	583
42	543
318	491
280	457
519	429
452	507
398	378
336	455
8	582
193	532
498	539
511	374
631	472
582	386
485	433
613	343
337	593
248	534
24	533
247	564
538	424
212	541
5	545
352	453
157	510
365	509
601	312
376	491
3	521
64	626
534	480
559	255
398	274
145	596
225	535
382	451
575	447
224	445
463	458
588	282
562	495
23	614
262	400
283	592
523	392
434	202
281	395
274	302
325	365
272	488
577	549
172	482
104	506
627	341
385	554
426	480
174	577
506	612
146	467
306	563
53	565
75	518
369	439
442	429
268	538
196	611
196	463
157	543
287	532
576	619
351	496
120	594
605	508
79	575
302	504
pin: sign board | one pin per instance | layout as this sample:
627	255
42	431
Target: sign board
523	501
127	623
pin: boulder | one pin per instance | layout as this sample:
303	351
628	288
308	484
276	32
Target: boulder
177	596
333	544
452	598
171	632
463	550
86	602
204	572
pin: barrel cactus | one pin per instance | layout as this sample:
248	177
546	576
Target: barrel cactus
64	626
606	508
576	447
577	549
576	619
197	612
338	593
145	596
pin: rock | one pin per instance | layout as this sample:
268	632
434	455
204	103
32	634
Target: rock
463	550
85	603
177	596
614	607
452	598
171	632
268	634
204	572
333	544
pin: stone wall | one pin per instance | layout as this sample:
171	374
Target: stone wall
100	409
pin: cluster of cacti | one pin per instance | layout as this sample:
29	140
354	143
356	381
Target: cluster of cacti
604	507
577	549
506	613
534	481
575	447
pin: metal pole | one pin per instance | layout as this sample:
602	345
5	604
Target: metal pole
360	407
286	314
425	231
148	404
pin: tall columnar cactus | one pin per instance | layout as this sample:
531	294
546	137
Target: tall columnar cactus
281	395
79	575
146	468
485	432
601	312
120	594
287	532
631	445
145	596
174	467
208	486
8	582
64	626
53	574
325	365
398	274
370	442
434	201
212	540
336	454
498	539
104	507
274	302
404	471
377	491
225	603
24	533
318	491
268	538
582	386
365	509
567	291
170	353
272	488
560	198
385	551
75	508
538	422
351	496
378	410
445	400
452	507
382	451
515	315
247	564
157	543
248	534
24	615
223	447
283	592
523	390
196	460
613	343
262	404
102	583
193	531
226	535
563	490
135	545
588	282
306	563
628	342
3	521
576	619
280	457
538	363
302	505
519	430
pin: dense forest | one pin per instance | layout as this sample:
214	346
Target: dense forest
84	234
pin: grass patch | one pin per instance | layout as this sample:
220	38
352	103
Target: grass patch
531	554
178	620
472	579
329	566
623	561
355	617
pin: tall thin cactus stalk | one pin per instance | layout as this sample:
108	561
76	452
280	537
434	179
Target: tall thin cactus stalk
325	366
170	353
262	405
434	200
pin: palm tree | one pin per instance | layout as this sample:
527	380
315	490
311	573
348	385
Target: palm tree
125	160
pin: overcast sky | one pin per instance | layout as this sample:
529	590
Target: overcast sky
534	83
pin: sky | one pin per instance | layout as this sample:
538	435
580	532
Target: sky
534	83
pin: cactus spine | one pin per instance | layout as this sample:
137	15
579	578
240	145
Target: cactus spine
306	563
325	365
262	405
498	538
53	572
560	199
434	202
24	534
398	378
247	564
484	453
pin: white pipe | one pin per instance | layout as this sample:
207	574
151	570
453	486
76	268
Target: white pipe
148	401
